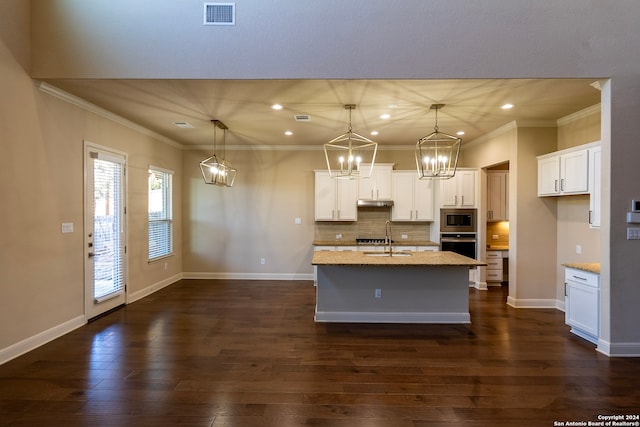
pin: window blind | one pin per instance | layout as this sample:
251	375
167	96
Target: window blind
108	230
160	213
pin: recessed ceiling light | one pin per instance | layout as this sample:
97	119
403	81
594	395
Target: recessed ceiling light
183	125
288	133
507	106
374	132
460	133
385	116
276	107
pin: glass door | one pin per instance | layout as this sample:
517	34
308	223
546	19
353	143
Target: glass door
105	237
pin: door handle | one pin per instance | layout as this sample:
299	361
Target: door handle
90	254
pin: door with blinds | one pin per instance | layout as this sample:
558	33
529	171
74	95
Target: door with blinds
105	237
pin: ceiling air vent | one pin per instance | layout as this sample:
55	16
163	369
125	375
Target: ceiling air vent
302	117
219	14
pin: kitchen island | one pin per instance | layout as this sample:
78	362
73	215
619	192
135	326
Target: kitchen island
409	287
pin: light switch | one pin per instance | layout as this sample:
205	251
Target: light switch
633	233
67	227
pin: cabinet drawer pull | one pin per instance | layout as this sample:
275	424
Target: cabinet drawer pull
578	277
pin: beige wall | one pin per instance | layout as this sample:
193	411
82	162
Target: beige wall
41	186
229	230
573	211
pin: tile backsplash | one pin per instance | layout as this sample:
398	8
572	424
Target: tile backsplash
371	224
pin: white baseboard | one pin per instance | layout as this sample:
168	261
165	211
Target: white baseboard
135	296
531	303
380	317
249	276
35	341
631	349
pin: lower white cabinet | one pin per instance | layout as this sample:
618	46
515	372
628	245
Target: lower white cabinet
582	303
494	267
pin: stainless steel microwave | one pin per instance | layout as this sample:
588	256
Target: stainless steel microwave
458	220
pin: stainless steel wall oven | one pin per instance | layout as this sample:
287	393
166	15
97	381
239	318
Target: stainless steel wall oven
458	230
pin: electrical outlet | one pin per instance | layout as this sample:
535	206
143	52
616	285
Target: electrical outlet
297	221
404	236
166	265
378	293
578	249
495	236
338	236
263	261
67	227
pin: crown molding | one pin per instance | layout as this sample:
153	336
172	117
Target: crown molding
589	111
87	106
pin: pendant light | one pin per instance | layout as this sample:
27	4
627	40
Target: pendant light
345	153
437	153
216	170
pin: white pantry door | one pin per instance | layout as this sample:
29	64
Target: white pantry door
105	237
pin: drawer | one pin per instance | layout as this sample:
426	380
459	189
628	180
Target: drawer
494	276
494	264
494	255
582	277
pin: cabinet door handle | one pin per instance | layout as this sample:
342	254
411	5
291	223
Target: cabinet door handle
565	289
562	184
338	213
333	214
455	199
590	222
555	185
416	213
462	200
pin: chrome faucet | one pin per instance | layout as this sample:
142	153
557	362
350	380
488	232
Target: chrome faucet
387	235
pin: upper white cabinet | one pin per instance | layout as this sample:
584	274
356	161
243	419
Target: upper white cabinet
378	186
459	191
564	172
497	195
412	197
595	161
335	199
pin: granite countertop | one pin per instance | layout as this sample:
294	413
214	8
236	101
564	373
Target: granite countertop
353	243
415	259
591	267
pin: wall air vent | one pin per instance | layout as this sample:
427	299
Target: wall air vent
219	14
302	117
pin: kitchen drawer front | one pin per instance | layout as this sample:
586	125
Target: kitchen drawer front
582	277
494	255
494	264
494	275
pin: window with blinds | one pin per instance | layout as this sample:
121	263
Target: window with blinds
160	213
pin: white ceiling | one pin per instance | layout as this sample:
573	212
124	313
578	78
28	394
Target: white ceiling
244	106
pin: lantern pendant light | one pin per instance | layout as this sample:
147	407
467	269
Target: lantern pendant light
345	153
215	169
437	153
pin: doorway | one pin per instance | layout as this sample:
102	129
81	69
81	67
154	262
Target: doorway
104	227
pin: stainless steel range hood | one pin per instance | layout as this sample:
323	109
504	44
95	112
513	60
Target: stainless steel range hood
366	203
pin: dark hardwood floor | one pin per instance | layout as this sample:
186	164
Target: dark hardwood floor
248	353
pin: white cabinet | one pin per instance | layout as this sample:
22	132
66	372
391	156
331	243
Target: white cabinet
378	186
563	173
497	196
412	197
494	266
335	199
459	191
595	161
582	303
